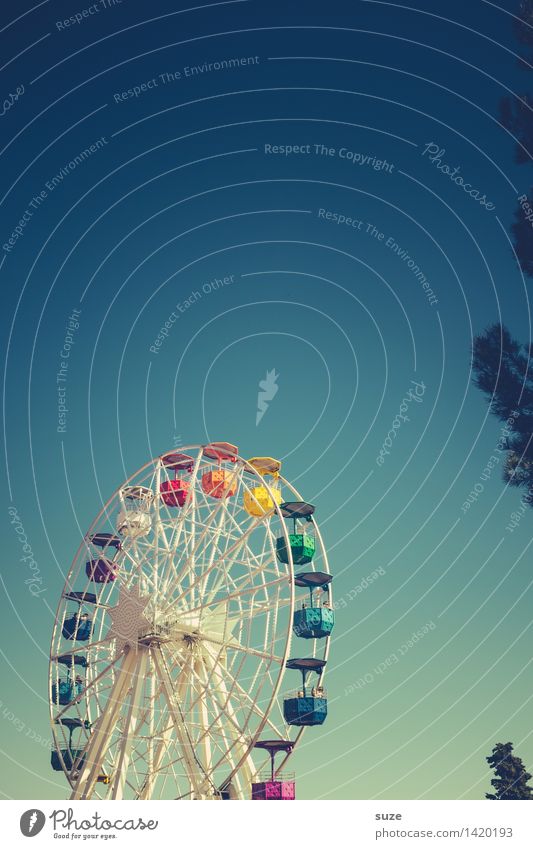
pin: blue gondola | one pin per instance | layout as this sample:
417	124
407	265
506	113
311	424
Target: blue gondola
73	660
72	757
305	710
77	627
66	690
307	706
88	598
315	620
103	540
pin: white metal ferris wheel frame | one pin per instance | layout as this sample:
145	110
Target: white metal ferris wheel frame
134	670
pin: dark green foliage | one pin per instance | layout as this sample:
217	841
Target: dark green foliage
516	114
503	370
524	25
512	778
522	231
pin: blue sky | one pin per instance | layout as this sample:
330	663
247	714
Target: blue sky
181	194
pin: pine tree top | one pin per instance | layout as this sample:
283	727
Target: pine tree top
512	778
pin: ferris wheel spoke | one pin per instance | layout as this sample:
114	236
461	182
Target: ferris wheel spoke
154	768
87	647
235	646
221	702
263	564
211	558
245	584
262	567
232	548
245	757
245	598
240	593
178	572
136	557
246	697
219	508
263	521
159	530
142	782
200	690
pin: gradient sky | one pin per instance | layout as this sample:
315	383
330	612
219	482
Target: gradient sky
180	193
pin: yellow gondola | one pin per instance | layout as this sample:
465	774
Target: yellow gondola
258	500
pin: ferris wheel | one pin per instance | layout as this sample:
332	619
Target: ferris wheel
176	626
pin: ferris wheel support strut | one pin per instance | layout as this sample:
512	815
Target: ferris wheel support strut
133	712
203	716
156	756
197	781
101	738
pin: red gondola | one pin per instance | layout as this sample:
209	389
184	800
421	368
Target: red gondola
174	491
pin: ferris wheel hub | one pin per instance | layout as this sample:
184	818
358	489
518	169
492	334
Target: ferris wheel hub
128	621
